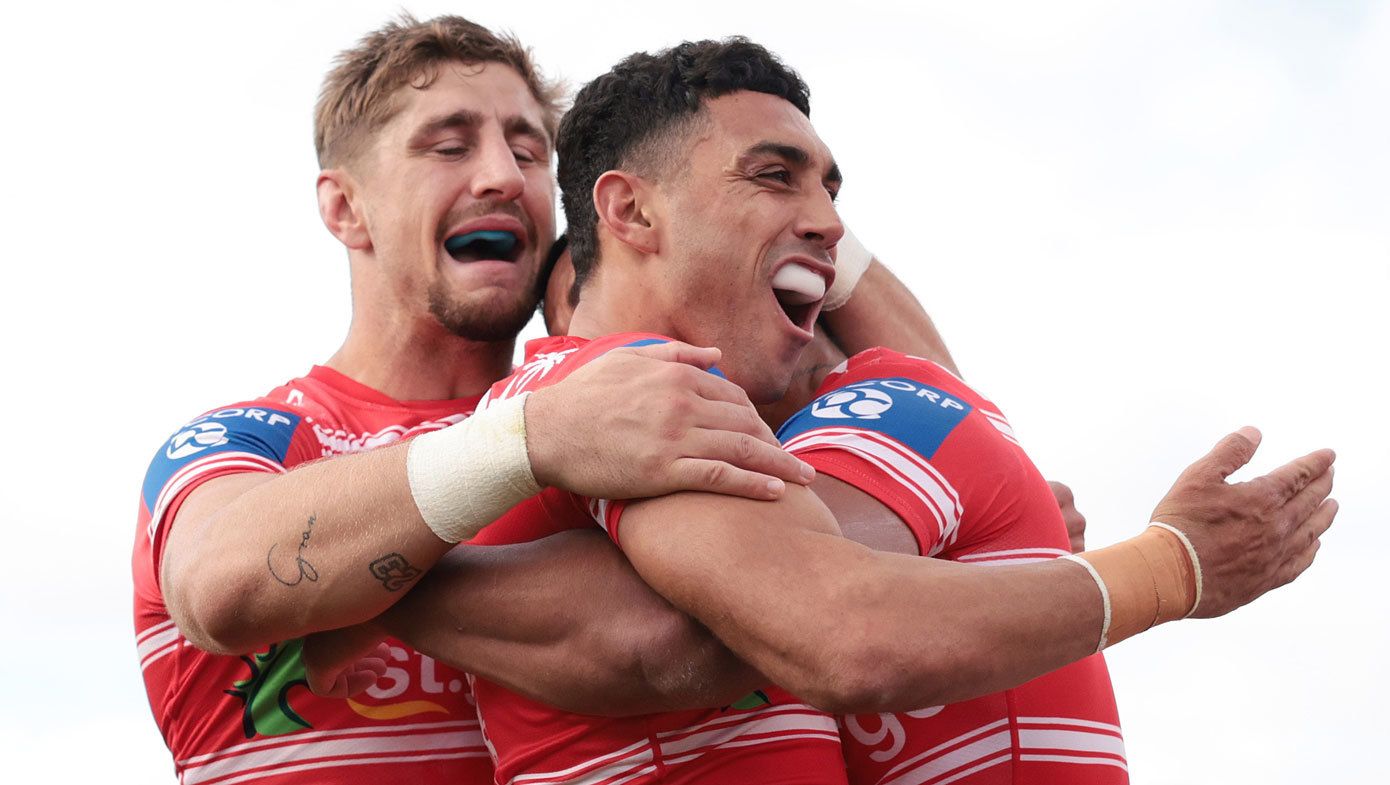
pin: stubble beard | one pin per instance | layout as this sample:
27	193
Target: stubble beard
489	318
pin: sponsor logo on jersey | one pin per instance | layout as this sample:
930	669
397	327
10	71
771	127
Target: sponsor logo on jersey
258	431
862	403
916	414
196	438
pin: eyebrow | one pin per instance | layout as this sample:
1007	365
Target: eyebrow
465	119
793	155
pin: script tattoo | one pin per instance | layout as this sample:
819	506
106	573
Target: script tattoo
306	570
393	571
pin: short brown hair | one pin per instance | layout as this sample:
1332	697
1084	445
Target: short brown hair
358	94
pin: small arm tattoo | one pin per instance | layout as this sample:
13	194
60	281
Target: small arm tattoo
306	570
394	571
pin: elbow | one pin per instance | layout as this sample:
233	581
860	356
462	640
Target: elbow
211	614
869	674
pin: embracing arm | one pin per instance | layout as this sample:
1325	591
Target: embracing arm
255	558
852	630
566	621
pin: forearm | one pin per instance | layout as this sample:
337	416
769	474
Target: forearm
253	559
883	312
567	621
861	631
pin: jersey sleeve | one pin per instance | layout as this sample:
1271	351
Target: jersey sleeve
246	437
878	430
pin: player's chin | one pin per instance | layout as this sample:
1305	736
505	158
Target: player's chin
492	314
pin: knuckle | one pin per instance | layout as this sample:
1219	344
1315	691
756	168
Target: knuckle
715	474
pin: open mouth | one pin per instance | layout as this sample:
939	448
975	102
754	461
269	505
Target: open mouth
799	291
484	244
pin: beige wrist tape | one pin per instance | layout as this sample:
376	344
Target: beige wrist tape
467	475
851	260
1144	581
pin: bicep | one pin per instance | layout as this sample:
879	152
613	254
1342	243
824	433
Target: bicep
864	519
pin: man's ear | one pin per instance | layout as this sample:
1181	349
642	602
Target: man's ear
340	211
627	209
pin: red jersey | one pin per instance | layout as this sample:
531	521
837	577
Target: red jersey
916	438
231	720
769	737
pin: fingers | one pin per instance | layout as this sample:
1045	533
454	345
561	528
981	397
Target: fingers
715	388
749	455
722	416
703	358
700	474
1317	524
1308	499
1288	480
1229	454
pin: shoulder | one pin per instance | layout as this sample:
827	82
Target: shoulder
914	401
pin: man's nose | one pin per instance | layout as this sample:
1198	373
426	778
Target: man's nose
498	175
820	221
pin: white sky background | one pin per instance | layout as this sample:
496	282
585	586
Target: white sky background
1138	225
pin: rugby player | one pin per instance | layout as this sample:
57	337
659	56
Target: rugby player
269	518
700	206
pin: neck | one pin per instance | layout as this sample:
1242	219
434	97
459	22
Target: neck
420	360
615	302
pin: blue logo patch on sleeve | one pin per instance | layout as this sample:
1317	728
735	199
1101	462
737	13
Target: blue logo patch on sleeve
262	432
916	414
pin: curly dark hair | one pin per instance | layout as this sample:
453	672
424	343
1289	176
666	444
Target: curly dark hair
628	117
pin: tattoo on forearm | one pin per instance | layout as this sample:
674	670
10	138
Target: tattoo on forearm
306	570
393	571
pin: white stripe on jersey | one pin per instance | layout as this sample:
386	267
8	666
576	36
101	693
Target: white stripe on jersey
899	463
454	743
183	477
771	725
328	764
1001	425
979	754
1074	759
609	765
1014	556
152	629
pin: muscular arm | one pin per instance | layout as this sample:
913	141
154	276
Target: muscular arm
256	558
854	630
850	629
566	621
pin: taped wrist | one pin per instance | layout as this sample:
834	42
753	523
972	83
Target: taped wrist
467	475
1144	581
851	260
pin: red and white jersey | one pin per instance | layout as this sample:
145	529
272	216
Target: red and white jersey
916	438
769	737
230	720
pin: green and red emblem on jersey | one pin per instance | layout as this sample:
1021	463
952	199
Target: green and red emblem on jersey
266	693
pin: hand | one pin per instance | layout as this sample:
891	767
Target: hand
343	663
1076	522
1253	536
651	420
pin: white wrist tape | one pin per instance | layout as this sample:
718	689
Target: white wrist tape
467	475
851	260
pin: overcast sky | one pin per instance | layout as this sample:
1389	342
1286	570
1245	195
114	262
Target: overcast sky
1138	225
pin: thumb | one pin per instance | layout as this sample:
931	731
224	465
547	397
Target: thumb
1230	453
703	358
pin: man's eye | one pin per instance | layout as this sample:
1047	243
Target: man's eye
451	151
780	175
524	155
